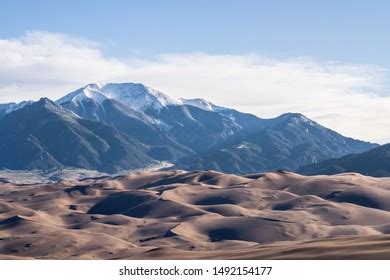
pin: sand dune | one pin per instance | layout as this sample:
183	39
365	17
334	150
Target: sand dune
177	214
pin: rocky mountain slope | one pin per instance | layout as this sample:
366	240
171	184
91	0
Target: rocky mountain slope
44	135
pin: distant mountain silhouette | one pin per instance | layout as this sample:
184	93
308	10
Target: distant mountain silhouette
375	162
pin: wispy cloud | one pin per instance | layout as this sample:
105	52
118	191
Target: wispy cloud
341	96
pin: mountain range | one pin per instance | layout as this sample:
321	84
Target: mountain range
112	127
375	162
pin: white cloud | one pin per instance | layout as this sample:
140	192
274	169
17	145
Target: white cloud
43	63
340	96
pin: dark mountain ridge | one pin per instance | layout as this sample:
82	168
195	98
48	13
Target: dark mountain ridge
375	162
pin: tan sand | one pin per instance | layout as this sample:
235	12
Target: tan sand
198	215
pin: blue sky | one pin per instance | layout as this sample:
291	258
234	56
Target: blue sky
326	59
348	31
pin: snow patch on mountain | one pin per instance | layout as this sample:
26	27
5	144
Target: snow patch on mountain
91	91
138	96
202	104
10	107
243	145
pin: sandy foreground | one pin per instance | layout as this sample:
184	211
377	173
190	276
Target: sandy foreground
197	215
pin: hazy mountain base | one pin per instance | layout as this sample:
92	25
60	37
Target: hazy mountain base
31	177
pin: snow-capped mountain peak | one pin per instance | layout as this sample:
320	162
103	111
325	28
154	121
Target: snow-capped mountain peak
91	91
202	104
138	96
135	96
